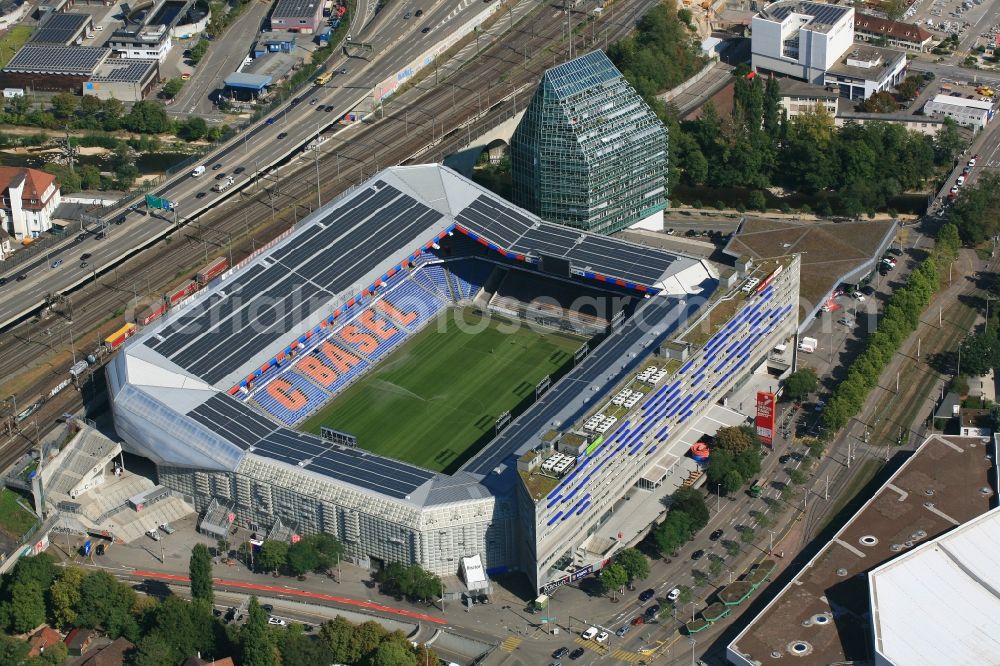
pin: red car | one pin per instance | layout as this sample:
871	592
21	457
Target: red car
637	620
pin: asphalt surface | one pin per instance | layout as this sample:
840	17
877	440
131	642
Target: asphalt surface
397	41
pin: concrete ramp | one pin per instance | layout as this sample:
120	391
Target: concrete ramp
465	159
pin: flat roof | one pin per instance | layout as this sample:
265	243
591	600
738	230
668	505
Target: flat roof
57	59
940	603
823	15
248	80
296	8
935	490
963	102
886	58
60	28
123	70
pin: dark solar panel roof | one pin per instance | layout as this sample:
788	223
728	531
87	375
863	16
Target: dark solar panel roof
123	70
291	285
295	9
60	29
56	59
822	14
240	424
602	255
580	74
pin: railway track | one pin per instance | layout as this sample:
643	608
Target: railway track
421	124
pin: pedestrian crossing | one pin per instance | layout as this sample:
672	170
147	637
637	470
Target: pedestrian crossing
627	656
592	645
511	643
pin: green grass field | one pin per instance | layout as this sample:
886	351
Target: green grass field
431	401
15	520
15	38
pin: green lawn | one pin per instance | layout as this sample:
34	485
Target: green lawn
433	399
15	520
13	40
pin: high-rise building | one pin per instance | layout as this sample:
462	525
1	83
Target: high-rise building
589	152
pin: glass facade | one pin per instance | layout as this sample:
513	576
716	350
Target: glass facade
589	152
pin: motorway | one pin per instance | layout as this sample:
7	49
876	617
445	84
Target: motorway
397	41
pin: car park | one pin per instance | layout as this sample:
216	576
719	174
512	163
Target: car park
560	653
715	536
589	633
674	594
646	595
577	653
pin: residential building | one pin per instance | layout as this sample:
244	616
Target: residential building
801	39
975	422
868	28
112	653
798	97
589	153
973	113
303	16
920	124
865	70
29	198
125	80
42	639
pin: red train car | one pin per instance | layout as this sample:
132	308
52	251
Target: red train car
209	272
151	314
115	340
182	292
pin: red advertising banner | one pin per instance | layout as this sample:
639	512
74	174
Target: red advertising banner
765	417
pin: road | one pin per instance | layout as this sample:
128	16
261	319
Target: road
396	41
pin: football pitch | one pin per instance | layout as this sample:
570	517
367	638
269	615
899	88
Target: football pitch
438	396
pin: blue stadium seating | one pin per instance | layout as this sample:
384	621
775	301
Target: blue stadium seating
434	279
469	276
315	398
410	297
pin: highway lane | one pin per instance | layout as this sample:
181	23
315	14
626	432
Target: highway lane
266	143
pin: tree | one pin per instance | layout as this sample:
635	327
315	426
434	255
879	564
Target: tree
40	569
797	477
960	385
69	181
256	642
732	481
747	463
200	570
147	117
90	177
757	201
635	564
734	439
106	603
800	384
412	582
54	654
151	650
298	648
193	129
302	557
979	353
894	9
367	637
691	502
394	653
123	165
748	536
720	463
64	596
328	548
613	578
673	532
426	655
948	142
173	623
13	651
881	102
198	51
273	555
338	635
27	606
172	87
64	105
911	86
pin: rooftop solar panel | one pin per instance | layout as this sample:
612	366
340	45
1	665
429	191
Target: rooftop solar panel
57	59
60	28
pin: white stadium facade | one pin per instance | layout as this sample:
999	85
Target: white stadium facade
195	391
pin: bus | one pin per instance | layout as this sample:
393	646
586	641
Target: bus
323	79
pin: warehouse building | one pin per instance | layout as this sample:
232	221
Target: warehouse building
303	16
123	79
973	113
65	29
51	67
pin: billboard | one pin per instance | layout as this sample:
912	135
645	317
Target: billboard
765	416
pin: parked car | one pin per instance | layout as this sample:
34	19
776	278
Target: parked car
697	555
652	611
859	297
85	256
637	620
622	630
577	653
216	167
200	195
783	460
418	13
674	594
276	621
646	595
57	263
715	536
239	170
425	30
81	237
282	135
589	633
560	653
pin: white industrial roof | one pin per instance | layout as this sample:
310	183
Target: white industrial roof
940	603
963	101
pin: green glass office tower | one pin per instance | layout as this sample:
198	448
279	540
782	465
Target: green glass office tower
589	152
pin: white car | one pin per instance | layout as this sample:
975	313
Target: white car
602	637
589	633
276	621
859	297
674	594
972	162
960	181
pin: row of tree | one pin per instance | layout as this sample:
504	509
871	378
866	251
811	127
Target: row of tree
687	515
629	566
899	318
976	211
735	458
314	552
410	581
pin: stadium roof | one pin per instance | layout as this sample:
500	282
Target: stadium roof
56	59
61	28
192	359
822	616
940	603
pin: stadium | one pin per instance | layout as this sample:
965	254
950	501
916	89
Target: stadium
427	372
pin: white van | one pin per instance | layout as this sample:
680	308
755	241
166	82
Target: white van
198	170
